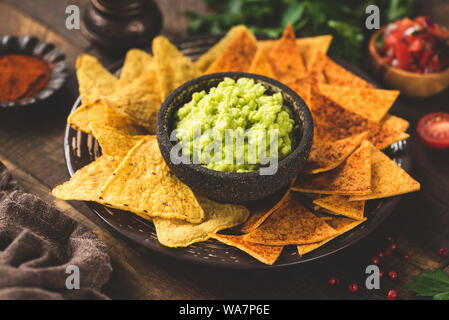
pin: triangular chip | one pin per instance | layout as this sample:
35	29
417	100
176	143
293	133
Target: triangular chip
262	65
114	142
388	179
396	122
286	57
340	205
237	56
87	182
218	216
261	210
213	53
339	76
173	68
333	122
263	253
291	223
94	80
143	184
341	225
102	113
311	47
327	155
140	99
352	177
367	102
136	61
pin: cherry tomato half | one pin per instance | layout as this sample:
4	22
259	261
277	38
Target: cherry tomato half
433	129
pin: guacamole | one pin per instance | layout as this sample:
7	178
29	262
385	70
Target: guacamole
234	127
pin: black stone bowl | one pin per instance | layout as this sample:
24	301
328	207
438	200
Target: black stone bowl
235	187
46	51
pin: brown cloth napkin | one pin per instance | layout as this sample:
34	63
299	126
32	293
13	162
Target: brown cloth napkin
38	243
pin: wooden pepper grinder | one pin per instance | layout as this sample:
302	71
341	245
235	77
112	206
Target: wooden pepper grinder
122	23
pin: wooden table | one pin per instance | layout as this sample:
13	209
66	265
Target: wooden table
31	147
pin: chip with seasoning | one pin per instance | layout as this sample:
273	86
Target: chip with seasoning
339	76
263	253
291	223
388	179
367	102
352	177
312	47
340	205
340	225
143	184
217	216
262	65
172	67
136	61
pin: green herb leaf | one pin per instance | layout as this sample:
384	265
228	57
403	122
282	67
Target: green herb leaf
431	283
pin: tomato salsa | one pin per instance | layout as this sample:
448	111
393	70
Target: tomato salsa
417	45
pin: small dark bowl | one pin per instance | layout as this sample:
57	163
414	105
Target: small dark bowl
46	51
235	187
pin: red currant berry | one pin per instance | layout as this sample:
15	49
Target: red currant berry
390	239
393	247
381	273
375	260
392	295
393	275
443	252
406	256
380	255
388	252
334	281
353	287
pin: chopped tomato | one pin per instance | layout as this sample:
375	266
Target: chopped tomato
433	130
416	45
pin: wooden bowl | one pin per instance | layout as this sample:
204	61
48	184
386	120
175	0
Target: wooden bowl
235	187
411	84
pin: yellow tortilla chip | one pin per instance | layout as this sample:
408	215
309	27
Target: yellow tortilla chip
263	253
94	80
261	210
262	65
136	61
114	142
367	102
140	99
173	68
311	47
237	56
102	113
352	177
143	184
286	57
341	225
388	179
213	53
86	183
327	155
218	216
291	223
340	205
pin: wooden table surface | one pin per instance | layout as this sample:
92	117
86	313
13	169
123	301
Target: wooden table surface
31	146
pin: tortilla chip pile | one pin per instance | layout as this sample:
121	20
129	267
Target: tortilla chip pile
346	166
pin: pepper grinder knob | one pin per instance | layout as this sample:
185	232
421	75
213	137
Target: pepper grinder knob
121	23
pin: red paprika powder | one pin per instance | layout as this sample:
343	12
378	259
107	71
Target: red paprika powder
22	76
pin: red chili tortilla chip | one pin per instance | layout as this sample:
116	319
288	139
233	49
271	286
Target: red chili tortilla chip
396	122
367	102
286	57
237	56
340	205
311	48
341	225
388	179
263	253
339	76
262	65
327	155
291	223
352	177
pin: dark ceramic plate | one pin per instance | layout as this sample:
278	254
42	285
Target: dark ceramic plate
46	51
81	149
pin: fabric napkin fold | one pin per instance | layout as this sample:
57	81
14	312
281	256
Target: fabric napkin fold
37	245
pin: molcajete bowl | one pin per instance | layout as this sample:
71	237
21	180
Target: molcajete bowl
235	187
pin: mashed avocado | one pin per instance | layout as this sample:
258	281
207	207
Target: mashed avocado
234	127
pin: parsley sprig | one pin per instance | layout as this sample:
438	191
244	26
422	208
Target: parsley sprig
431	283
